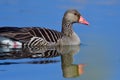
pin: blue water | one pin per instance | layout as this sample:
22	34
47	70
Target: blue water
99	50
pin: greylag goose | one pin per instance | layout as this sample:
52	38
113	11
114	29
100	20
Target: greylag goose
36	36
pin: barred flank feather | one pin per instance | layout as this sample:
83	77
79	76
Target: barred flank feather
32	36
47	34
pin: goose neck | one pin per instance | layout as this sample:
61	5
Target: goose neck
67	28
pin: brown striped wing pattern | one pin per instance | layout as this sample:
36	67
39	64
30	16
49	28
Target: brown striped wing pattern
25	34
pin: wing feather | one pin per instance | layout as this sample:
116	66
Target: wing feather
25	34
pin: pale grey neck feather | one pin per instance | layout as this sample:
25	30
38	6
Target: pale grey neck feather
67	28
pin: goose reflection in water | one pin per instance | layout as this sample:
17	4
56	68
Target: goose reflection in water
65	52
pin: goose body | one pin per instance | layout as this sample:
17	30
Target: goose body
36	36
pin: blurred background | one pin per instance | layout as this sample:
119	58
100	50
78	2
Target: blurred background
100	40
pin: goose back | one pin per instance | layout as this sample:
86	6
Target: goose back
25	34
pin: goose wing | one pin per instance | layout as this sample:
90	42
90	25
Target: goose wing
25	34
15	33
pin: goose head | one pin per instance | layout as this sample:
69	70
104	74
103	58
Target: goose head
73	16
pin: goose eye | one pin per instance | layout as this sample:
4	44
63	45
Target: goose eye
75	13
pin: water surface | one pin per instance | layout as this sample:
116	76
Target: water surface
98	54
